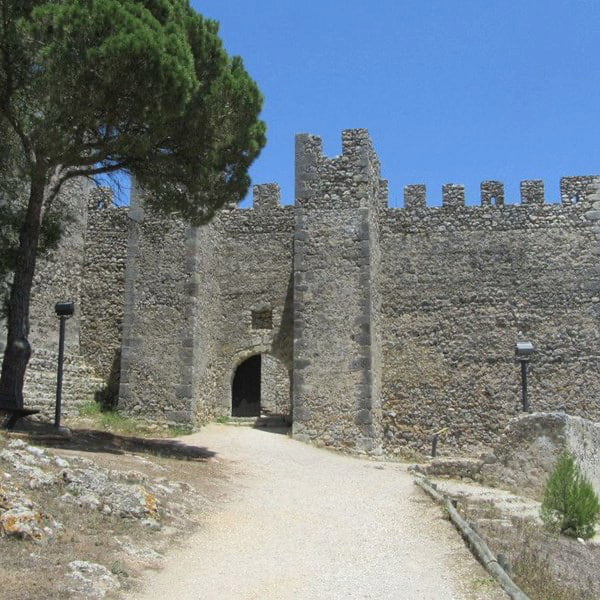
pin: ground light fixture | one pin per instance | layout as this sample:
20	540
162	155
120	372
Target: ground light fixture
64	311
524	350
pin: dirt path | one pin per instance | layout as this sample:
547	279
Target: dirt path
304	523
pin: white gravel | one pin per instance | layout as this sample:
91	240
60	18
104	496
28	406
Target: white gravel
306	524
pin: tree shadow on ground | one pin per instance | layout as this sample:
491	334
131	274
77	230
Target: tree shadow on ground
92	440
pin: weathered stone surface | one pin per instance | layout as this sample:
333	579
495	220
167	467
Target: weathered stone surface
91	580
378	326
95	488
527	451
22	522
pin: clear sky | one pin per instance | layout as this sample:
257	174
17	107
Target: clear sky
452	91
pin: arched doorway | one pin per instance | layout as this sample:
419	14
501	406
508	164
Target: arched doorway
261	387
245	388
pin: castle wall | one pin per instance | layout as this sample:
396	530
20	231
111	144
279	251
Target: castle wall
275	385
190	298
158	340
60	276
253	270
461	285
386	324
205	306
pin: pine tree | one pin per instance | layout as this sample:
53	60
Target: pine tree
88	88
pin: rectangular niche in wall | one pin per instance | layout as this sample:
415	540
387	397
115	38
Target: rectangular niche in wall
262	318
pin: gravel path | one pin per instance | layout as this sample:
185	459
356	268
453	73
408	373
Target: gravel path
304	523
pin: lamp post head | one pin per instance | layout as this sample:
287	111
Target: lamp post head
64	309
524	350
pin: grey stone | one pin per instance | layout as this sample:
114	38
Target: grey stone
381	319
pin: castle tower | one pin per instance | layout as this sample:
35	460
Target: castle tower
337	366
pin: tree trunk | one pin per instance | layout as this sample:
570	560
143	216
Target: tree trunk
18	349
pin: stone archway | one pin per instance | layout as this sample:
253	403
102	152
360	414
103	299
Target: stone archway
261	387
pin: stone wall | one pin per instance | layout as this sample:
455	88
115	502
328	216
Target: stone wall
527	451
275	385
190	298
387	323
461	284
158	341
253	269
60	275
103	289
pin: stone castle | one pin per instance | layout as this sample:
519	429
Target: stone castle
369	327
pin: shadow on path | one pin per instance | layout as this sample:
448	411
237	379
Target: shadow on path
91	440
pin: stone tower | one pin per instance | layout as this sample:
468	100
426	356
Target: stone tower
337	366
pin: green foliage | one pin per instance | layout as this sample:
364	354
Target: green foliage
98	86
142	85
570	503
179	430
113	420
90	409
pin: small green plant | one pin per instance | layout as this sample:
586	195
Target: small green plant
113	420
90	409
223	419
177	430
570	503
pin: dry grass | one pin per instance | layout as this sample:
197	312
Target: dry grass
546	566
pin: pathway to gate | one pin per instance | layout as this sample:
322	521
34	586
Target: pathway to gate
303	523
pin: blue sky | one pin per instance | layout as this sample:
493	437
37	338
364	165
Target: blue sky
452	91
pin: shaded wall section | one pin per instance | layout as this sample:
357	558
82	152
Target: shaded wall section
103	289
253	269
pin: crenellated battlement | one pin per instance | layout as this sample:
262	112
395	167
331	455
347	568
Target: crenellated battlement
266	196
573	190
352	179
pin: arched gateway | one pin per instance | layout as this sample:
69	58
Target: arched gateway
261	387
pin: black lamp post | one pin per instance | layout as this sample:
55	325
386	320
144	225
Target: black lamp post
524	350
64	310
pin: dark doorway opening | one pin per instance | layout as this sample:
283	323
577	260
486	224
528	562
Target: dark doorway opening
245	389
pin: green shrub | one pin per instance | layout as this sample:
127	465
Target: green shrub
570	503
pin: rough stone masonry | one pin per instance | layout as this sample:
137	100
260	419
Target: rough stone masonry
377	325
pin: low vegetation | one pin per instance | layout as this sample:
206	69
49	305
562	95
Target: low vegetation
543	563
97	416
570	503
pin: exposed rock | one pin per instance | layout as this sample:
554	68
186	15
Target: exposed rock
125	500
61	463
145	557
528	449
22	522
92	580
152	524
